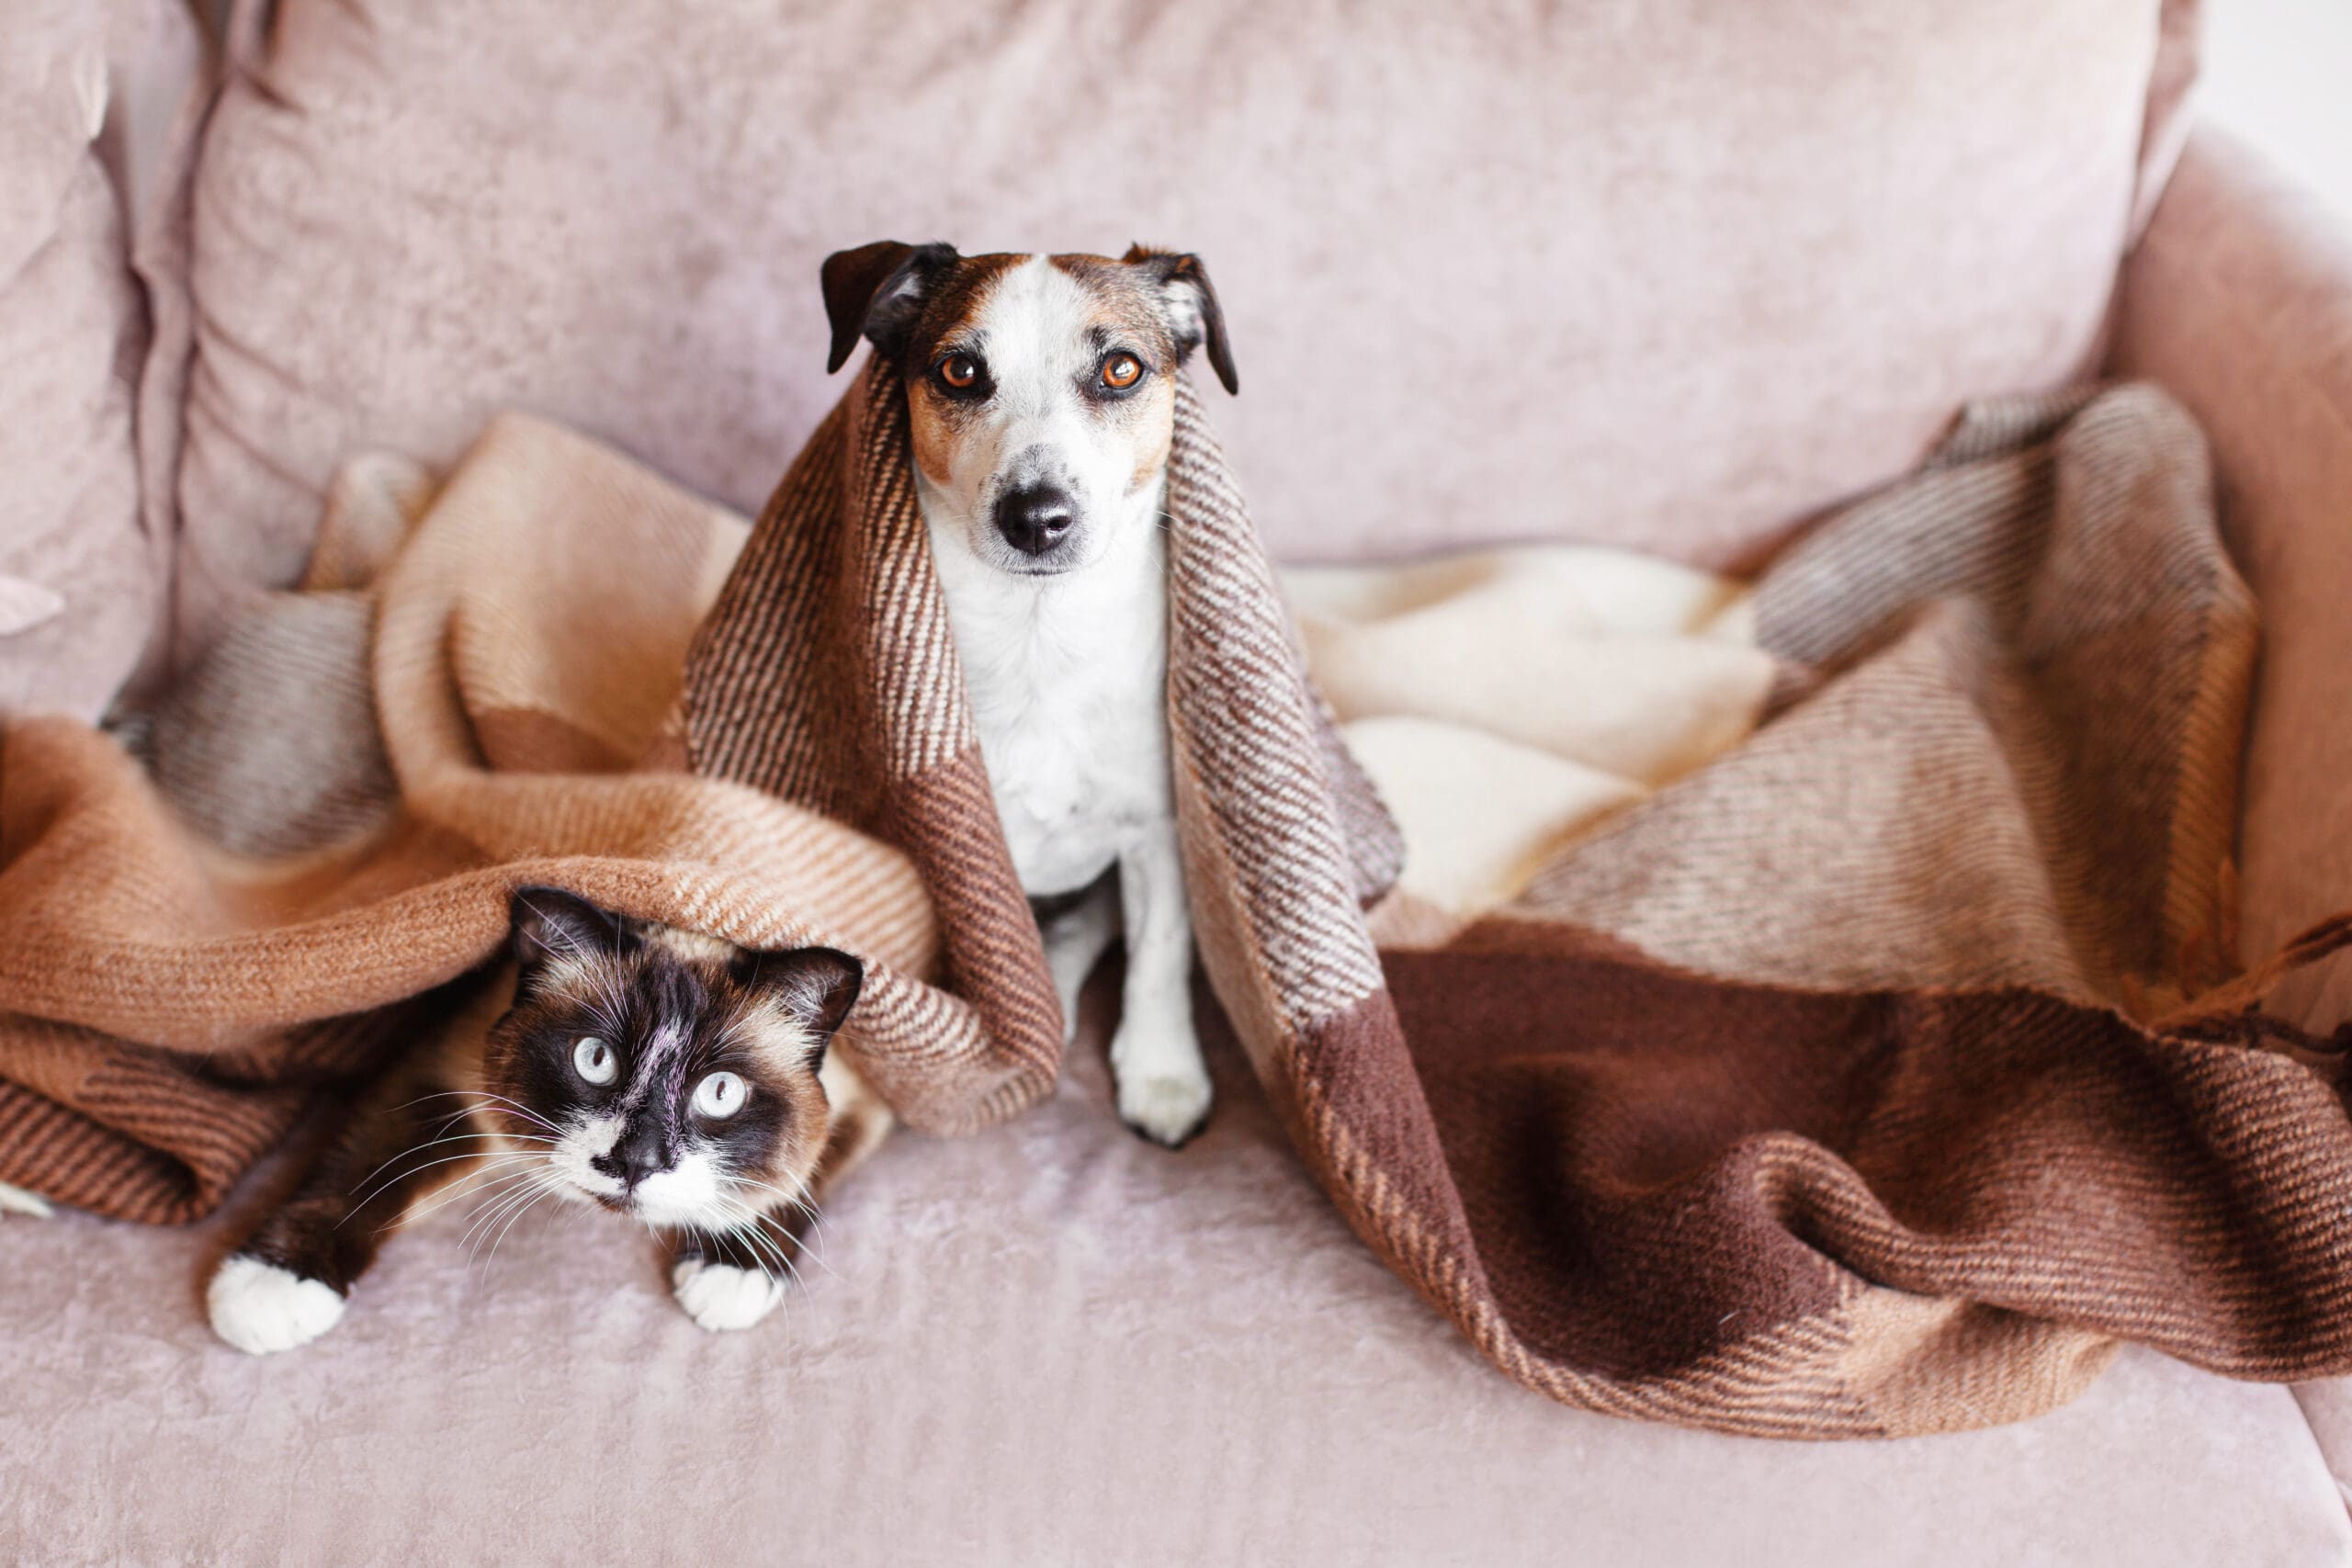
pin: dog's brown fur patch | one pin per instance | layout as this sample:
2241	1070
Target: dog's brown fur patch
949	321
1124	312
1125	305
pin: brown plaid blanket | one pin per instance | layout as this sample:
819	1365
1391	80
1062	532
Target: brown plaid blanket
470	693
1851	1085
1873	1078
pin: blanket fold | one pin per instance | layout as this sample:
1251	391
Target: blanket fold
1870	1073
183	957
826	675
1815	1093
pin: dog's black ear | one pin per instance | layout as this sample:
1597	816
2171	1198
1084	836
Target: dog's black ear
876	291
1189	304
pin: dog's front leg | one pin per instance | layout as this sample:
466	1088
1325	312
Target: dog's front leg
1076	939
1155	1058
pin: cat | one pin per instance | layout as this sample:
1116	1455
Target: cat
654	1072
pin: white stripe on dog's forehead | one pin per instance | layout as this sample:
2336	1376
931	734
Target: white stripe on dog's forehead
1035	326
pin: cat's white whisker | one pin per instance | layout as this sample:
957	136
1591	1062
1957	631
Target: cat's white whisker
750	1249
459	1189
809	1243
516	1203
481	1094
506	1182
517	1106
408	1171
544	1190
481	1192
750	1227
519	1190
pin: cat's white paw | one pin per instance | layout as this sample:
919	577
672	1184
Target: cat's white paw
16	1200
720	1296
259	1307
1163	1085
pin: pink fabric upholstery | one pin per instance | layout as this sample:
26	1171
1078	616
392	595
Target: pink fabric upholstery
1053	1344
1819	229
86	93
2240	301
1492	273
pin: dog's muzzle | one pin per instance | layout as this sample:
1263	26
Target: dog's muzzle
1035	518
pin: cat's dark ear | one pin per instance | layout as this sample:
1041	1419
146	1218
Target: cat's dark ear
818	983
876	292
550	923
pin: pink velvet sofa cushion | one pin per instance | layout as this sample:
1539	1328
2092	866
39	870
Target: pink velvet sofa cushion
1051	1346
1672	276
82	576
2241	301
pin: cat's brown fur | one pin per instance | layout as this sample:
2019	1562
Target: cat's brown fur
496	1106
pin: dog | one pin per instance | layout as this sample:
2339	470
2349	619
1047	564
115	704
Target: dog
1041	406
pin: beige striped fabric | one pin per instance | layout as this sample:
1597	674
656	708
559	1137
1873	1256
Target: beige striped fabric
826	676
340	804
1869	1081
1876	1078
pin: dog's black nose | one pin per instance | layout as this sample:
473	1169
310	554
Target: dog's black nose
1035	518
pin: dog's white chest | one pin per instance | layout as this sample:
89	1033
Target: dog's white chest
1067	686
1068	784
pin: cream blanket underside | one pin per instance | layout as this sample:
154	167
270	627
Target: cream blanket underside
1506	701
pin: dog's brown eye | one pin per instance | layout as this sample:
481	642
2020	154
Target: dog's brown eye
959	371
1121	371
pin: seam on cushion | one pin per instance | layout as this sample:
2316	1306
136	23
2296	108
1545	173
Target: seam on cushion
48	241
159	258
2235	167
2319	1446
2246	184
2296	375
246	30
2298	372
2294	371
2168	111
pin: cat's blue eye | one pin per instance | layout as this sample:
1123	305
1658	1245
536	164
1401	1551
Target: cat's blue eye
593	1060
719	1095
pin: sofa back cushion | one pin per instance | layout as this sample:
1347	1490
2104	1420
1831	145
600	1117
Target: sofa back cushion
1671	276
82	578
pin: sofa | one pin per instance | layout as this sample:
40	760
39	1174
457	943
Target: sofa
1672	277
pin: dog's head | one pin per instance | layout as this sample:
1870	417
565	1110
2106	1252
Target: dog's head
1038	387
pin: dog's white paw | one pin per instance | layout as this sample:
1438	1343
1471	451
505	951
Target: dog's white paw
1164	1087
259	1307
720	1296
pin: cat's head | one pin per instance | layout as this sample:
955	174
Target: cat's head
668	1076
